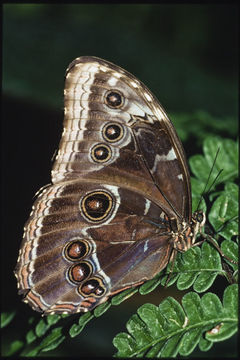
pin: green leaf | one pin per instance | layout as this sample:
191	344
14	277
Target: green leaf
197	190
31	336
52	340
53	319
7	317
125	344
15	346
116	300
32	353
137	328
153	319
205	345
226	159
192	306
223	209
155	351
221	332
173	313
171	346
189	341
149	285
230	301
210	260
101	309
41	328
75	329
85	318
170	329
197	266
204	281
224	212
211	306
230	249
200	168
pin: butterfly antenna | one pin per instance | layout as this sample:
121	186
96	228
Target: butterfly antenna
220	171
209	175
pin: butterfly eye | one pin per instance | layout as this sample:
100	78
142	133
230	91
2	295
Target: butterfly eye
112	132
101	153
76	250
114	99
92	287
96	206
79	272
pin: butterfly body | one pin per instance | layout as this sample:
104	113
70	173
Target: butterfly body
120	201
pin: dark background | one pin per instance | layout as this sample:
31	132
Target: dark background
185	53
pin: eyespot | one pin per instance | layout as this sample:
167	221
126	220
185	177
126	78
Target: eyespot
101	153
114	99
96	206
79	272
112	132
93	287
76	249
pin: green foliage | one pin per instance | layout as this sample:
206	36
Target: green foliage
201	124
201	165
191	71
50	342
171	329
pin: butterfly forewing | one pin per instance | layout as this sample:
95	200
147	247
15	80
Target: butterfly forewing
120	189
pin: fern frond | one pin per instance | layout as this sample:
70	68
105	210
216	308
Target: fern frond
171	328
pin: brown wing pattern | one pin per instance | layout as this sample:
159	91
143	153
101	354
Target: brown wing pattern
149	153
119	179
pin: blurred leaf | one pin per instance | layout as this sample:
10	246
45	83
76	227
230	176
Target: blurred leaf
31	336
226	160
201	124
197	190
52	340
53	319
41	328
7	317
15	346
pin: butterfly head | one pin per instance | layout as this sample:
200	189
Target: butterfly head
198	222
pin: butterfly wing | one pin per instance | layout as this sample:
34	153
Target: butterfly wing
67	264
119	177
148	154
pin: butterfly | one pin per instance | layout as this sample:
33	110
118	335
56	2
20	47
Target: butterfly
119	206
